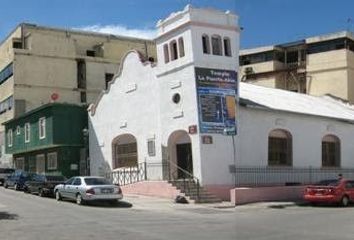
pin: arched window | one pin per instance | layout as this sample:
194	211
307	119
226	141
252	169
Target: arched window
279	148
124	151
173	48
181	47
166	53
330	151
216	45
227	47
206	44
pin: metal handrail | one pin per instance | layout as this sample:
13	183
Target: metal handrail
191	176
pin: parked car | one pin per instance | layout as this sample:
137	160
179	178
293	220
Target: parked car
339	191
87	189
43	185
17	179
5	173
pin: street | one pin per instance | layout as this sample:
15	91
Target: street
29	217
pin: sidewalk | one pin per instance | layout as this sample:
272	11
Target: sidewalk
146	202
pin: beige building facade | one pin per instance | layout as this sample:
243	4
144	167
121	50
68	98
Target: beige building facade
42	64
317	66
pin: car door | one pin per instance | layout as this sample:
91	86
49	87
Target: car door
65	190
75	187
350	189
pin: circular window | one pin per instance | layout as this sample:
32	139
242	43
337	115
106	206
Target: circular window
176	98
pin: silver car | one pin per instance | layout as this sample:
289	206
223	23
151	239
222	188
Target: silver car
85	189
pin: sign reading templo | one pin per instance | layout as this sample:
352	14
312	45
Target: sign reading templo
217	96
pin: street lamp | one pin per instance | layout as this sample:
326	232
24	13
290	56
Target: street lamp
232	132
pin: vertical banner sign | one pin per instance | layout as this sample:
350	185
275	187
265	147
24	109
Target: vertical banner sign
217	96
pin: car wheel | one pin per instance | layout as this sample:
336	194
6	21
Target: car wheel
57	195
16	187
41	193
79	199
345	201
5	185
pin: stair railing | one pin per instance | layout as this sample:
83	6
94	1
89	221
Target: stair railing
187	177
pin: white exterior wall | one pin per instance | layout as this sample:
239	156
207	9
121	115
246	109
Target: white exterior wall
150	111
129	108
307	133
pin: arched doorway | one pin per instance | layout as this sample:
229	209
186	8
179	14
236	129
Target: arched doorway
124	151
180	152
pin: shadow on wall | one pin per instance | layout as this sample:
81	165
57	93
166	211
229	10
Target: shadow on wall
98	165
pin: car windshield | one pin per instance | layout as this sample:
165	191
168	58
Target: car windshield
330	182
96	181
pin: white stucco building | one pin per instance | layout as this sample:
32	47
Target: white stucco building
170	116
161	113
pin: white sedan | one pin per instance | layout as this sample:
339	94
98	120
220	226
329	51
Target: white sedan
84	189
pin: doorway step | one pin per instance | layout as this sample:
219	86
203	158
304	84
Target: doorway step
191	190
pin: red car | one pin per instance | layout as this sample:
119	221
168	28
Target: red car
331	191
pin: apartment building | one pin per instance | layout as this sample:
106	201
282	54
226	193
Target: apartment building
41	64
317	66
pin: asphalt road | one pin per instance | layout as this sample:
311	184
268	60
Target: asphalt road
29	217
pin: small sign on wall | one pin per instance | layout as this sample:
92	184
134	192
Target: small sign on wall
74	167
192	129
207	139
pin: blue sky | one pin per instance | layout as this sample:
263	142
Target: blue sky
264	21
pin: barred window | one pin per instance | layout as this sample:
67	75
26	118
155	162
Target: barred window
279	148
330	151
52	161
125	155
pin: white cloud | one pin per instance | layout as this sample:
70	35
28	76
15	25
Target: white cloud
120	30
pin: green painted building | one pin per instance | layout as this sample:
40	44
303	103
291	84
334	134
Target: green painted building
49	139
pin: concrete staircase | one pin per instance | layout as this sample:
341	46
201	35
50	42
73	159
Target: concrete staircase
190	188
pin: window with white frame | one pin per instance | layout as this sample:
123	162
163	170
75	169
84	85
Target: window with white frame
173	49
216	45
52	161
227	47
27	132
9	138
18	130
181	47
41	128
151	147
166	53
206	44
